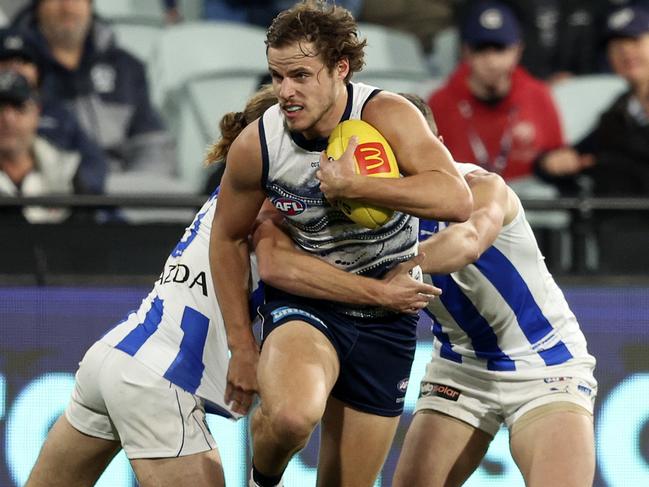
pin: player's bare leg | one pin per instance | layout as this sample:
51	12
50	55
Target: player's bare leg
353	445
199	470
70	458
297	369
555	446
439	451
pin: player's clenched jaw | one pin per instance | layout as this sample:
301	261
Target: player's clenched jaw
311	96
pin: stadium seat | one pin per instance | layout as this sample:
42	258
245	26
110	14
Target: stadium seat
191	9
136	11
194	49
582	99
446	52
429	86
557	222
202	104
198	72
396	85
138	39
393	59
146	183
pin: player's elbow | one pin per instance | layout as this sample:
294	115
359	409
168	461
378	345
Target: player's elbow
266	253
463	210
272	264
460	204
276	272
267	265
267	258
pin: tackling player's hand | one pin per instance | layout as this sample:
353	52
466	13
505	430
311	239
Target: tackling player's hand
405	294
337	175
242	379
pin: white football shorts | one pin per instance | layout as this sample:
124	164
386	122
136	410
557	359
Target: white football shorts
115	397
485	399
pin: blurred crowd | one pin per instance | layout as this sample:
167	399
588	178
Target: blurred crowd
76	114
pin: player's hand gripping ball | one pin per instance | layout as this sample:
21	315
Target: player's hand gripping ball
373	158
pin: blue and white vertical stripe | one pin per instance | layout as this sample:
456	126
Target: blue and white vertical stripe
504	312
178	330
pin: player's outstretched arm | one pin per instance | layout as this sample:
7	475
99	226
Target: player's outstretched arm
432	187
238	203
462	243
283	266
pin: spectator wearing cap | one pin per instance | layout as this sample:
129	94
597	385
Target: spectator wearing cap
56	123
618	147
29	164
102	84
560	37
491	111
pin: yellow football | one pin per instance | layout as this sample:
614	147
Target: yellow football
374	158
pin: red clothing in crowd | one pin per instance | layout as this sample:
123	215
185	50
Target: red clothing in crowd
506	137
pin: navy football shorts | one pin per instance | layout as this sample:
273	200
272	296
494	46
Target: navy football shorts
375	354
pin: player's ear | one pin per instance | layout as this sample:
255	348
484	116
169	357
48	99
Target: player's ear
342	68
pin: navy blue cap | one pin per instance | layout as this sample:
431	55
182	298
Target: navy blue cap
14	44
14	88
632	21
491	23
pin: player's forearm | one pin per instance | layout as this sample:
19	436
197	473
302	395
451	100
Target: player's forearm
432	195
292	270
450	250
231	277
463	243
300	274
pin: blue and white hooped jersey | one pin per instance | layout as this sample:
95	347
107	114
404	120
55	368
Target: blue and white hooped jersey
290	164
178	330
504	312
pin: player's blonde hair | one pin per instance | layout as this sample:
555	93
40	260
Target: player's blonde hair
233	123
331	29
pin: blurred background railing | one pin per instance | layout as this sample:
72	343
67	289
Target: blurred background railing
597	237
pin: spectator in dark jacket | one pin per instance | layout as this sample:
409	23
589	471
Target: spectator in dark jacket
102	84
29	164
57	124
562	37
616	152
620	142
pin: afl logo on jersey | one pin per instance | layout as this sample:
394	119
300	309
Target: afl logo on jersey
289	206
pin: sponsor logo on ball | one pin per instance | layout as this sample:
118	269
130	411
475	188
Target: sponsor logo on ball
289	206
429	389
371	158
